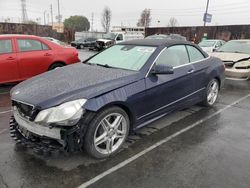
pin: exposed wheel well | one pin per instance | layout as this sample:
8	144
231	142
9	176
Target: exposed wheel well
218	79
56	63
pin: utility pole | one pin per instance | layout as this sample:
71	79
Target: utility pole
92	22
206	13
59	13
24	11
44	17
51	12
48	18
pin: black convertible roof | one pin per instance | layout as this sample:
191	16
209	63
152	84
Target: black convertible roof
155	42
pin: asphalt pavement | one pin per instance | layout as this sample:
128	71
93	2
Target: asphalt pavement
196	147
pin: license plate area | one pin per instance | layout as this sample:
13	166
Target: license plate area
36	128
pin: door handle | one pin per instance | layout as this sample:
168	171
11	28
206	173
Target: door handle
10	58
47	54
190	71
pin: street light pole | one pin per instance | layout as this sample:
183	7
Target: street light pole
206	13
59	13
44	17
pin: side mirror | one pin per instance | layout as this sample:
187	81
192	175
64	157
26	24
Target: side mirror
162	69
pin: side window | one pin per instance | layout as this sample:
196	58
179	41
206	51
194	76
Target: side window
45	47
174	56
119	37
5	46
194	54
25	45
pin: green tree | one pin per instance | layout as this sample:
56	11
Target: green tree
77	23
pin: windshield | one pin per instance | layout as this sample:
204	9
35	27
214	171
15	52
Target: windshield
80	40
207	43
236	47
109	36
128	57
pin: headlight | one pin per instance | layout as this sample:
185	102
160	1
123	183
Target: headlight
68	113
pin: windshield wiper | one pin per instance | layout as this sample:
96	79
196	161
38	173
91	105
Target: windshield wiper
105	65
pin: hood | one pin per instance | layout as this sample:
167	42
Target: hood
225	56
70	83
104	40
207	49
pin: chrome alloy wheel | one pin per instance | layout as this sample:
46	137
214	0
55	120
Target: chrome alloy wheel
213	91
110	133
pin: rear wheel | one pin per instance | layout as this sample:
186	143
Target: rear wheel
55	66
212	92
107	132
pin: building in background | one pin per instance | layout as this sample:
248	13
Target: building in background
59	27
129	30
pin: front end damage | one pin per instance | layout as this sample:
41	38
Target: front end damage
238	70
51	139
102	44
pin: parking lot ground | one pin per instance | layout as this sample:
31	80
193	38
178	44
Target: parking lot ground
203	147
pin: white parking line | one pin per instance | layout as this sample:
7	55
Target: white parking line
3	131
5	112
129	160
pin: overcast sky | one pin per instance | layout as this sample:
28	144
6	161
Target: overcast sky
127	12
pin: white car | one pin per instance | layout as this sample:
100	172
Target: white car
55	41
236	56
211	45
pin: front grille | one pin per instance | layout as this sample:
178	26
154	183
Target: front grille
229	66
242	67
100	43
25	110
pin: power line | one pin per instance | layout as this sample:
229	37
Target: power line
211	7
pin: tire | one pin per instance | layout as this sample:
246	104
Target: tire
81	46
104	137
212	92
55	65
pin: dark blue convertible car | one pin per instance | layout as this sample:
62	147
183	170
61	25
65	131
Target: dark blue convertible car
95	104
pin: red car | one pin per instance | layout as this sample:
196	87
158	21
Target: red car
24	56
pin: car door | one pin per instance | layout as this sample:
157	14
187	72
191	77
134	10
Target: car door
119	38
166	92
200	64
8	61
34	56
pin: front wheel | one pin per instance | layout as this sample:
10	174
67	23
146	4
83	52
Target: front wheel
107	132
81	46
212	92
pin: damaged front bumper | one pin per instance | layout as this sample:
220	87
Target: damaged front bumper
45	139
239	74
50	132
